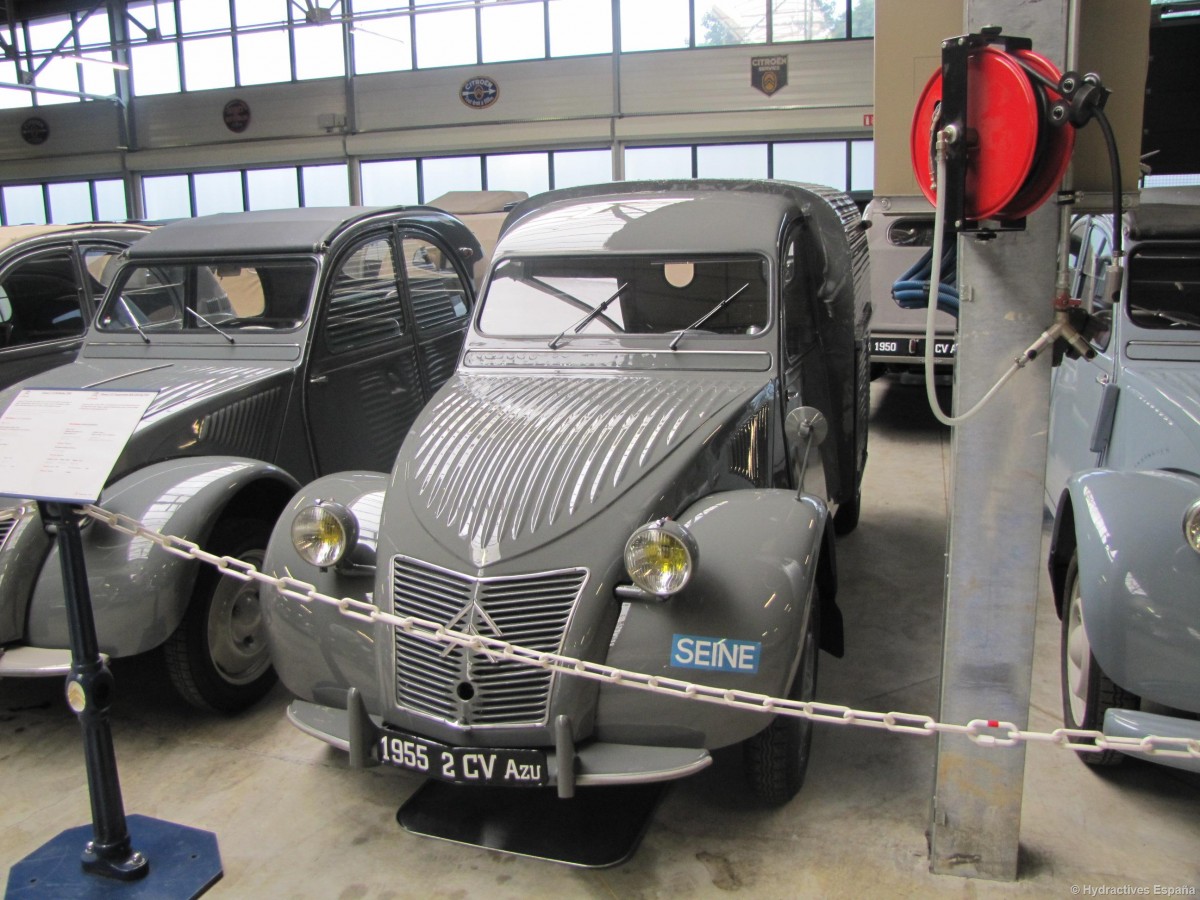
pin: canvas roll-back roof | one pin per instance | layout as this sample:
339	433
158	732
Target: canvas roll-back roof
670	216
1166	214
304	230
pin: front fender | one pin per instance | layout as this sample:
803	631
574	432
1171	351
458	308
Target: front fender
1138	578
738	624
318	652
139	591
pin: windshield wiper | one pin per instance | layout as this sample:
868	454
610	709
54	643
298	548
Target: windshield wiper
708	315
583	323
224	334
133	319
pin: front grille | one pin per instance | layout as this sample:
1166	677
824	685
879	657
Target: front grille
466	688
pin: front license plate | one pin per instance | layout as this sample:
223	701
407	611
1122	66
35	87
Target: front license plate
462	765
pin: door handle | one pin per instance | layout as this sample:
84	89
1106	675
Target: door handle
319	379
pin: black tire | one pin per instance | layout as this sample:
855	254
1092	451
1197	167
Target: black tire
845	520
1087	693
776	759
217	658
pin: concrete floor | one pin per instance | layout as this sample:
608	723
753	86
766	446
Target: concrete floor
294	821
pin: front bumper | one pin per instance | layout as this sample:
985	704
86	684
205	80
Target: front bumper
568	765
1128	723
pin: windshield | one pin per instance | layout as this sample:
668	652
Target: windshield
1164	288
208	297
562	297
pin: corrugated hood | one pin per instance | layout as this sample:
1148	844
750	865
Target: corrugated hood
498	465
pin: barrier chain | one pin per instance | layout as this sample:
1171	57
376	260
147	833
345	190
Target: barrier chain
983	732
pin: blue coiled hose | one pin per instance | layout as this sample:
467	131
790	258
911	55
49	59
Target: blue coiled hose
911	290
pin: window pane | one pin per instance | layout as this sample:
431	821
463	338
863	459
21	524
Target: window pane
9	98
580	26
731	22
167	197
60	74
264	57
203	15
818	162
389	181
326	185
261	12
272	189
382	45
512	32
143	13
110	200
208	63
658	162
24	205
94	38
44	34
528	172
218	192
456	173
155	69
445	38
70	202
437	294
319	52
808	20
654	24
364	304
732	161
862	165
862	19
573	167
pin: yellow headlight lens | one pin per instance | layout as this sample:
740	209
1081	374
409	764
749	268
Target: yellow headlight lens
1191	526
660	557
323	533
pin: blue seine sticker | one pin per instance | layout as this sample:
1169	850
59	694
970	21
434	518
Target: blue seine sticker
715	654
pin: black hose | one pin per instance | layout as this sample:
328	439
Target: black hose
1114	162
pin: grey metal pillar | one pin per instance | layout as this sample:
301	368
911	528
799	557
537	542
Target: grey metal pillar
996	510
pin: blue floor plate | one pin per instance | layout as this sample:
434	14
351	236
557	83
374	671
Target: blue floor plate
184	862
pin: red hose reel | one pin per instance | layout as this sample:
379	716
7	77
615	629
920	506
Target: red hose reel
1010	118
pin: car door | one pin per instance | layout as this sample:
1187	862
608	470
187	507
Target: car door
439	299
805	380
1083	392
43	312
364	386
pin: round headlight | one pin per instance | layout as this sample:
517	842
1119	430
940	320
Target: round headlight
1191	526
323	533
660	557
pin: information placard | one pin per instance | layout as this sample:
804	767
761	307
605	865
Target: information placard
63	444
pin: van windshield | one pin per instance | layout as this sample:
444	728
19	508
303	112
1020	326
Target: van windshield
560	297
203	296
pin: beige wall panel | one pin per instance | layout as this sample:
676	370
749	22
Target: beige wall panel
276	111
448	141
1114	41
908	50
820	74
74	128
750	126
91	165
328	148
543	89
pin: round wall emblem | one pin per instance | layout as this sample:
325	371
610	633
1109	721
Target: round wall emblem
479	93
236	115
35	131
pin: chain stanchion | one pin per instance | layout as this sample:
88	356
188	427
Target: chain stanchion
982	732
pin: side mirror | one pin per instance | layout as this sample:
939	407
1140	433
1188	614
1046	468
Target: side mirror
806	429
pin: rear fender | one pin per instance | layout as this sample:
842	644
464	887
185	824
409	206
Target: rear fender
1137	579
139	592
738	624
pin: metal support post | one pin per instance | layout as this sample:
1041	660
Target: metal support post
994	547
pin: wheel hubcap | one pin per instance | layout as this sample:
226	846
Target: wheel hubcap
1078	655
236	636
